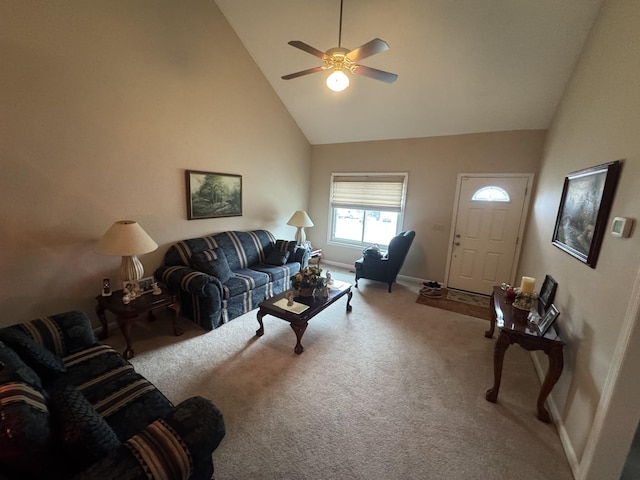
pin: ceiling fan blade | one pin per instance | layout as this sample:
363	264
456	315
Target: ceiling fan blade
375	73
308	49
370	48
303	72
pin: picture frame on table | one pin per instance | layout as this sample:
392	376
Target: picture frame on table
587	196
547	319
213	195
145	285
130	286
547	293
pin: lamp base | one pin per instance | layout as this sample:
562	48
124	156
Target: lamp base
301	237
131	268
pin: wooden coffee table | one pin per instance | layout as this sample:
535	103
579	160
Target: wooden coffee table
299	321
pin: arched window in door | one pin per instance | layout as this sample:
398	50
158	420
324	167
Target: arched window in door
491	194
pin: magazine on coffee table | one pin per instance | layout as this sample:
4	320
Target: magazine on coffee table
295	308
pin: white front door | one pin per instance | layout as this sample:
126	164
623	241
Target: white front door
488	222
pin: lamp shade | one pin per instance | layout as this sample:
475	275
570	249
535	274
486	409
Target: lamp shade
300	219
125	238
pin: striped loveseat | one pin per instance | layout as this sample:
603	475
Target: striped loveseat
222	276
73	408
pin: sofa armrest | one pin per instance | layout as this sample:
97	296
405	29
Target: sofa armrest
302	255
177	446
189	280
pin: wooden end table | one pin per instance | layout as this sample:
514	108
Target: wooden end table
515	328
126	314
300	321
317	254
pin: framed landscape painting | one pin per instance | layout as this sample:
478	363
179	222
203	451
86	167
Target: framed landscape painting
212	195
586	201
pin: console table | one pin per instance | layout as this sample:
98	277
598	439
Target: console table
515	328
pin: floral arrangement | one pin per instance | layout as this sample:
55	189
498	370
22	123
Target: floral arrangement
308	277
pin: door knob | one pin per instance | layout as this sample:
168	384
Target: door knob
457	243
457	235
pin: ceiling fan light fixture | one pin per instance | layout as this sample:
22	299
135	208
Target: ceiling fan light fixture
337	81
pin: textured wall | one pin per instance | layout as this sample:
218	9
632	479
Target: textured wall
597	122
433	165
104	104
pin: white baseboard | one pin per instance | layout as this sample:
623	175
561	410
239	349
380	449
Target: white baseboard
351	268
569	451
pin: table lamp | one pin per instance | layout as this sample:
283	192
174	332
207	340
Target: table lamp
300	219
126	238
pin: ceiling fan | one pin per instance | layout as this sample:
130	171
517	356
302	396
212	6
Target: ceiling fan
340	59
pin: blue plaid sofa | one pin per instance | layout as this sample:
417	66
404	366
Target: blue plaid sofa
71	408
223	276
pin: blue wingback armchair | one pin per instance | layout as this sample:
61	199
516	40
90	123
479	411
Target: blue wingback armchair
386	268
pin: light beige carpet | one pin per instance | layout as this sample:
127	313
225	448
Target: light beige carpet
393	390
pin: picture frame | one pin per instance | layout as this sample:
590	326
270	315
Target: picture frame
145	285
213	195
547	293
587	196
547	319
129	286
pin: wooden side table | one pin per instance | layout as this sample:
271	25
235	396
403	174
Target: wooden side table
317	254
515	328
126	314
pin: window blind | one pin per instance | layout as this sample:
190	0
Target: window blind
368	192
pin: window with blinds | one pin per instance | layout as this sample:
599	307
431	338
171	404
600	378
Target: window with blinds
367	208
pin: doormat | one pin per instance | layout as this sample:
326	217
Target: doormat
459	302
469	298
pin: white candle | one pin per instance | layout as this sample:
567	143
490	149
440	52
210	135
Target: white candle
527	284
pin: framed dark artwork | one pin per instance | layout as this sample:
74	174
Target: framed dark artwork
212	195
547	293
547	319
585	205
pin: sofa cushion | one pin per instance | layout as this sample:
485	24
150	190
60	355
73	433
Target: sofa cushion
243	281
277	273
10	362
124	398
25	434
277	258
213	262
83	435
43	361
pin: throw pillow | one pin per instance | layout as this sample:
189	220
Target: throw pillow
213	262
84	435
43	361
277	258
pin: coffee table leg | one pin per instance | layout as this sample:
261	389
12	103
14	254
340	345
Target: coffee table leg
349	295
299	330
260	331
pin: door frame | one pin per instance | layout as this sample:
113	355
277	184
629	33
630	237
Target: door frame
523	218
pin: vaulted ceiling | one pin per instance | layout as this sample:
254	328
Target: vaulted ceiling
464	66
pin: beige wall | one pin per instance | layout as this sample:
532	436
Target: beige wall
598	121
433	165
104	104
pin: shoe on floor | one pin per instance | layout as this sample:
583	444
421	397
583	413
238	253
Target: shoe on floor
431	292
